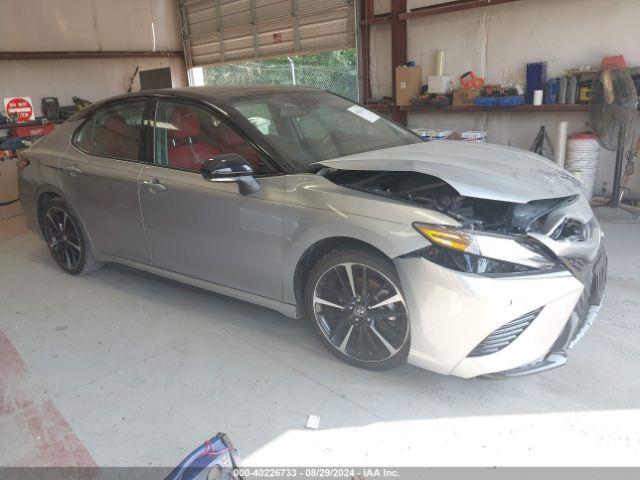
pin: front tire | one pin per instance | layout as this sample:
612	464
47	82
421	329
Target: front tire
65	238
354	302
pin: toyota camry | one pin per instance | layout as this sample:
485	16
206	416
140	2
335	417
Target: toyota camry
464	259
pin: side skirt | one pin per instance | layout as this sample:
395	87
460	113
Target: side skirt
284	308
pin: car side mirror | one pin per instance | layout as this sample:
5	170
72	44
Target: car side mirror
230	167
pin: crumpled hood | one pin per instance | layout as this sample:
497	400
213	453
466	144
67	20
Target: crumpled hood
475	170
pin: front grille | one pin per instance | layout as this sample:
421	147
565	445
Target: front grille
593	275
503	336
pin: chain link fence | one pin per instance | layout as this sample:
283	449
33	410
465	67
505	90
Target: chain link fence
335	71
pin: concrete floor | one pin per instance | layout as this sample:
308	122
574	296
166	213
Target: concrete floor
120	368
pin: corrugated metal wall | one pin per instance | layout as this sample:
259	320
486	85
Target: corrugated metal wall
218	31
85	25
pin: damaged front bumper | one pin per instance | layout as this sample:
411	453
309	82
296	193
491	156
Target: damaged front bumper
593	275
453	312
571	334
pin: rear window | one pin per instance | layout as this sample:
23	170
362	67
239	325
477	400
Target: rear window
114	131
83	136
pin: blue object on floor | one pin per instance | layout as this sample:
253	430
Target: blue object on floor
11	143
217	453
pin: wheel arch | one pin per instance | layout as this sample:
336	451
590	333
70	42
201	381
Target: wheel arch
315	252
44	194
48	192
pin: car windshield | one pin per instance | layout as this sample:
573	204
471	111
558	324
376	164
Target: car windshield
311	126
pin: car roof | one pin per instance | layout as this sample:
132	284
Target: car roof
212	94
218	95
223	93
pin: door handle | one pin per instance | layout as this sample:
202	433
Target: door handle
154	185
72	169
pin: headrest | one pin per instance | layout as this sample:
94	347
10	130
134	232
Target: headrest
185	122
229	138
116	124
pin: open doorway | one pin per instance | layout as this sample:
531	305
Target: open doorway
335	71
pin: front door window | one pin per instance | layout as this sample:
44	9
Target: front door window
186	136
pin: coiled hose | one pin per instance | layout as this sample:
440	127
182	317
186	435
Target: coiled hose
4	204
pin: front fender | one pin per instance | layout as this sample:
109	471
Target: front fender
316	209
303	231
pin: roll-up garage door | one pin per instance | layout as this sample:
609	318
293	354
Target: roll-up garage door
218	31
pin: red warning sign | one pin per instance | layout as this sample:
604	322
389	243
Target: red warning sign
19	108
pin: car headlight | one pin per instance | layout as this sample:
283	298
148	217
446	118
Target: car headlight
482	252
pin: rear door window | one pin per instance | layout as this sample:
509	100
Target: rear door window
83	137
114	131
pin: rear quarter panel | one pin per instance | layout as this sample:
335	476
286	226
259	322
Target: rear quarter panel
42	174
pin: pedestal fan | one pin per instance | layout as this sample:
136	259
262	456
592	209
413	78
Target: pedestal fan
613	115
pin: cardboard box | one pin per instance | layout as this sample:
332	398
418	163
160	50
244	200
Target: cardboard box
465	97
408	84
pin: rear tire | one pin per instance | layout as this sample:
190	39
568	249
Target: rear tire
66	239
354	302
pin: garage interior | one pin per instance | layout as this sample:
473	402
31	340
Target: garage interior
120	368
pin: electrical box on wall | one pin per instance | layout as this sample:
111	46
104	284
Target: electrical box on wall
156	78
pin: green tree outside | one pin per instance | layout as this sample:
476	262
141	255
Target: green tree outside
335	71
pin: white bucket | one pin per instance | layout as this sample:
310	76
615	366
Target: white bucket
583	153
431	134
474	136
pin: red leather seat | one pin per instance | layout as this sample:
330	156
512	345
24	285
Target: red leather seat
230	142
185	150
116	139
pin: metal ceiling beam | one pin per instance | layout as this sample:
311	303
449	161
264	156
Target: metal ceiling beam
54	55
447	7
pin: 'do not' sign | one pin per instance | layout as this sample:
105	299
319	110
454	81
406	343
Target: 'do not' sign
19	107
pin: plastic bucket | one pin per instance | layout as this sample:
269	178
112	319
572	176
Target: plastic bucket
473	136
583	154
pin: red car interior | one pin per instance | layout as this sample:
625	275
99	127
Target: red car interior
190	146
114	138
185	149
231	142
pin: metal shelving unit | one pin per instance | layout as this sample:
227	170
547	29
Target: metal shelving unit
398	19
473	108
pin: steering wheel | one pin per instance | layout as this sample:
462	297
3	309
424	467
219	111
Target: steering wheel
335	135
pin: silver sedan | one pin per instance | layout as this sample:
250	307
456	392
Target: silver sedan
463	259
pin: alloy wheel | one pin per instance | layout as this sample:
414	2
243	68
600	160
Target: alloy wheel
61	234
361	312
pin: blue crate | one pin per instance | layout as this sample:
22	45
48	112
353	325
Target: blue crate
511	101
487	101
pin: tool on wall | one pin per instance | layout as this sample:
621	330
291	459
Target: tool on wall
132	79
80	102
